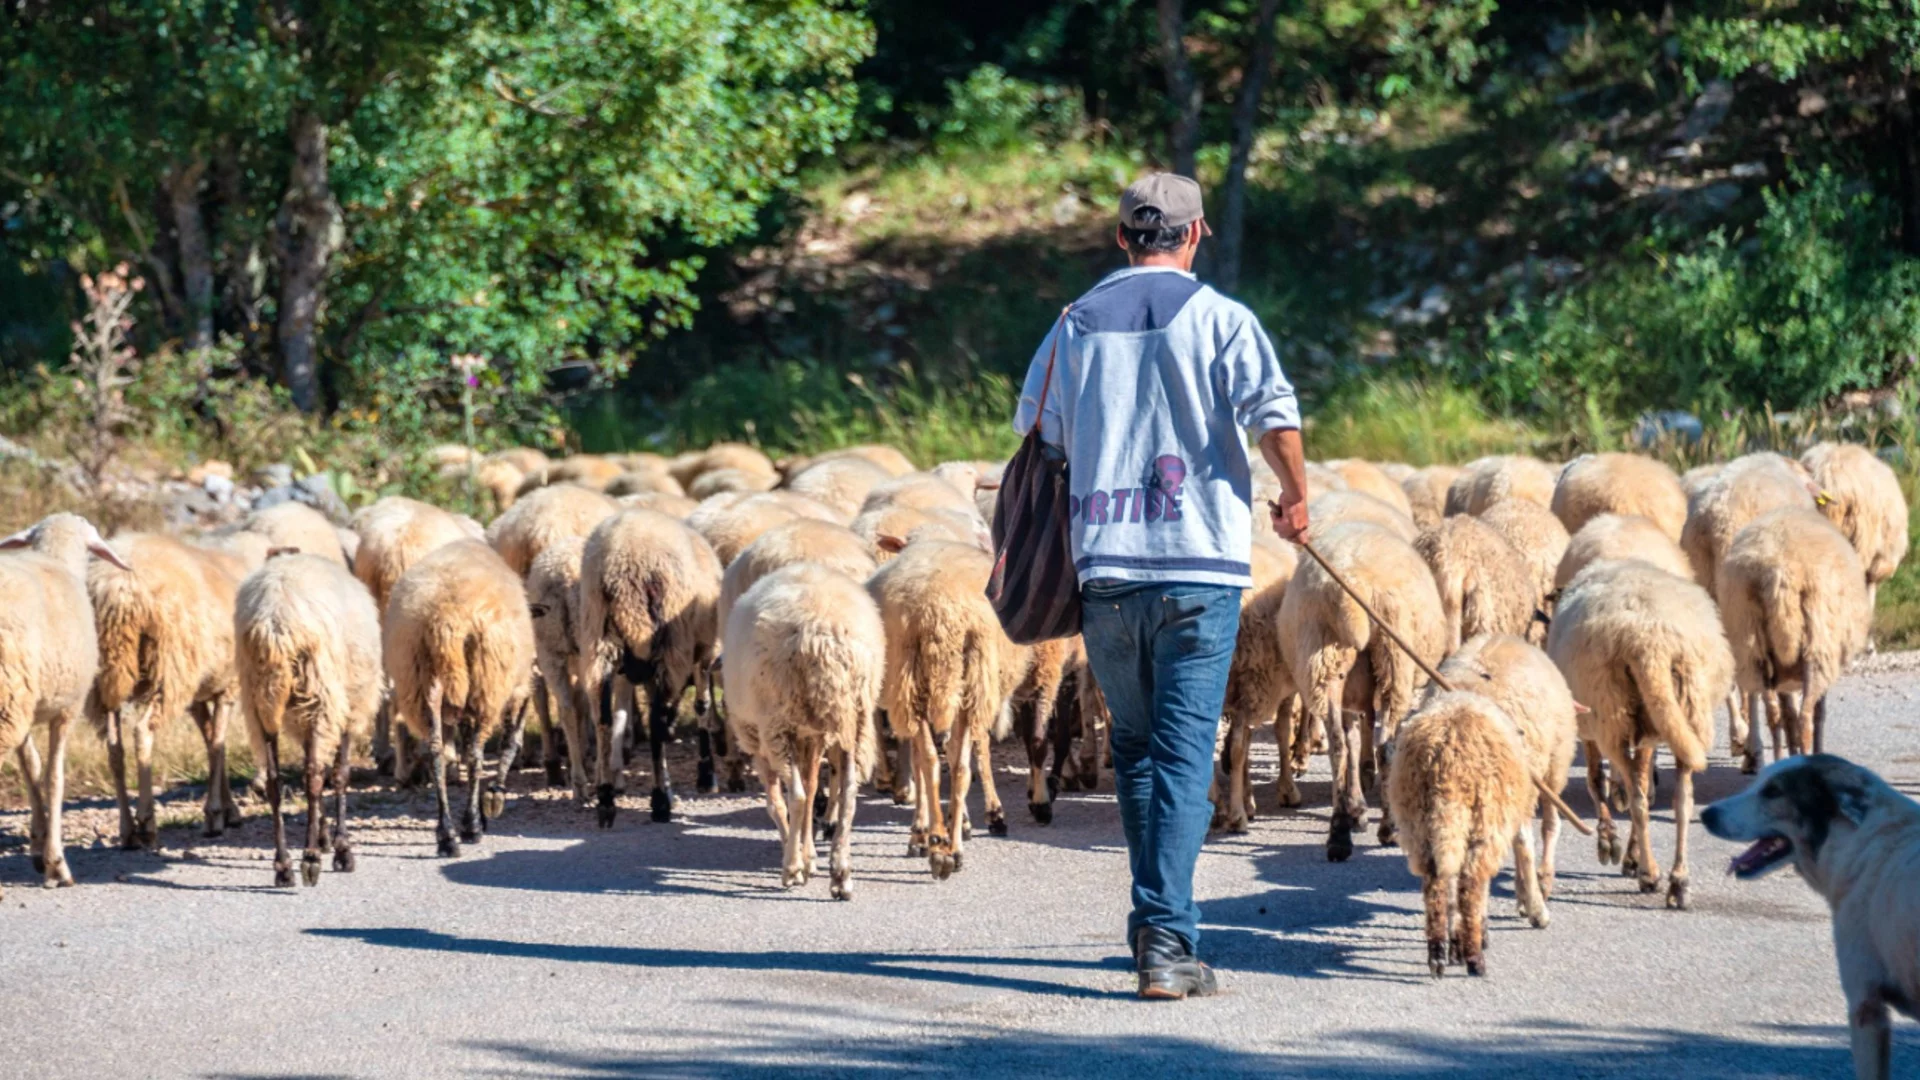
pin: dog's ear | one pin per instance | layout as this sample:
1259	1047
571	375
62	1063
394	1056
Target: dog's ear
1848	783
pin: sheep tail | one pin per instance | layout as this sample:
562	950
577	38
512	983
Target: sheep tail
1665	684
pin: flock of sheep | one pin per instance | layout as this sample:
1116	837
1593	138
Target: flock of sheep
839	602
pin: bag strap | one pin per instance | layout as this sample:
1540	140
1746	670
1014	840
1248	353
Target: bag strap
1040	412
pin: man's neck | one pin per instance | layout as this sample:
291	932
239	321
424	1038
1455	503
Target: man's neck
1171	262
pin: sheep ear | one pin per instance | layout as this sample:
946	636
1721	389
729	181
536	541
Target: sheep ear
276	552
1580	709
102	550
984	484
23	538
890	543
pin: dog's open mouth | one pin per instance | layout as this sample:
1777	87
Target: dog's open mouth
1767	854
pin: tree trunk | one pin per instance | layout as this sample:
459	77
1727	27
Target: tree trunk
1182	90
308	232
1246	120
196	257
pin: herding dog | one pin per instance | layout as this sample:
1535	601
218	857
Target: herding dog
1857	842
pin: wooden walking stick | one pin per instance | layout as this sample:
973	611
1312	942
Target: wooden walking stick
1552	796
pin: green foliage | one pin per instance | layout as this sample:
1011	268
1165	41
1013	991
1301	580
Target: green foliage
1412	422
1814	303
1731	37
992	111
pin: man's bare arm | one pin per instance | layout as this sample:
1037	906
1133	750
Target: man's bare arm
1287	457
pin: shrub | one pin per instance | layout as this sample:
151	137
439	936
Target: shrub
1815	302
991	110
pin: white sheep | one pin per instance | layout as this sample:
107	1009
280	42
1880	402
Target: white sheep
1595	484
1644	650
543	517
457	642
1488	480
1861	495
553	592
1485	585
805	664
1621	536
306	644
1794	601
166	647
647	618
1326	635
49	655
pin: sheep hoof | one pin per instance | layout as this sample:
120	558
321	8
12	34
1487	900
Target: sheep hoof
57	875
1540	918
1340	846
1289	798
145	834
606	808
942	864
343	861
448	847
1749	764
903	795
1042	815
1454	955
232	817
40	864
1476	965
215	827
1677	894
736	784
842	888
1388	835
997	823
282	874
660	806
792	878
556	775
310	868
494	802
1437	960
1650	885
706	783
1234	827
1053	787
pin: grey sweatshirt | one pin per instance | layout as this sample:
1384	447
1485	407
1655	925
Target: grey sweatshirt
1156	378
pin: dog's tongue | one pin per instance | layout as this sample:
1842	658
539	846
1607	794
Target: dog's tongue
1762	854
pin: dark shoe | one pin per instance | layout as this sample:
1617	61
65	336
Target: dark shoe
1168	969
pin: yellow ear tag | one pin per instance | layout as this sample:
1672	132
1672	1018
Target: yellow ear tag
1821	499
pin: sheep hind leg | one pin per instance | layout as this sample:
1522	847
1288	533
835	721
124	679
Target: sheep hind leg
1682	818
1230	778
960	768
917	758
997	811
1526	876
117	765
316	778
1820	725
31	778
1470	930
612	723
1290	733
660	709
1640	862
706	733
1786	733
1753	747
342	845
1607	837
847	775
146	830
1434	893
494	803
544	707
1040	784
1741	716
210	717
472	823
1549	845
1348	804
282	862
445	844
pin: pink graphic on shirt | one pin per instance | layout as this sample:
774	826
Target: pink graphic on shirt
1157	499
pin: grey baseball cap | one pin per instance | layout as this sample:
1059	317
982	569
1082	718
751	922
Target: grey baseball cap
1176	197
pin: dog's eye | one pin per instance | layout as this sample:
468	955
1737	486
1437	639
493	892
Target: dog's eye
1771	791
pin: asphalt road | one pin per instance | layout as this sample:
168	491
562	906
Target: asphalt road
553	949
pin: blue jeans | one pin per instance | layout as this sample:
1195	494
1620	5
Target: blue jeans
1160	652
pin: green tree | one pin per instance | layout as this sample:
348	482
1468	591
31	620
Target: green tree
382	182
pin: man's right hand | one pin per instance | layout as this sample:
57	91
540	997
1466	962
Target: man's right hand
1289	519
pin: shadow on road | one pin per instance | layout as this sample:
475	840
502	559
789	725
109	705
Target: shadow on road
926	967
1539	1049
